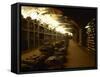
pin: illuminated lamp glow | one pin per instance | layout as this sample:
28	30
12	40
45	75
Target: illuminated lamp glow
70	34
87	26
61	29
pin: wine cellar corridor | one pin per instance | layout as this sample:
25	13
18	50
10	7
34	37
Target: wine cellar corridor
53	38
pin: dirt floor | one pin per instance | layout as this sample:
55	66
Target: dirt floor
76	57
79	57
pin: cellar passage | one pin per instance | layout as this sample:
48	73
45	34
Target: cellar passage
57	38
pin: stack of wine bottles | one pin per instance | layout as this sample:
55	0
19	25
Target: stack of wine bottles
91	41
34	34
